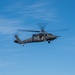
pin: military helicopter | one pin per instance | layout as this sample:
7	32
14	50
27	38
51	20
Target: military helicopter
40	36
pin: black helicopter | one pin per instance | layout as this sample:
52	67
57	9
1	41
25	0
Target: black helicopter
41	36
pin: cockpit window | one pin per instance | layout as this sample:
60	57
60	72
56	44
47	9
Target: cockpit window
50	34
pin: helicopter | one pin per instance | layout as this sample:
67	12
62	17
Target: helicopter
40	36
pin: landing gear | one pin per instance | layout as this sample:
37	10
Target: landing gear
48	41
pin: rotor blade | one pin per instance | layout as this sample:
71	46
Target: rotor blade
23	30
65	29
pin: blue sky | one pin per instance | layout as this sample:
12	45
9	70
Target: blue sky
56	58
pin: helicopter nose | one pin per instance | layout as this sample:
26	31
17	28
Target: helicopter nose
55	37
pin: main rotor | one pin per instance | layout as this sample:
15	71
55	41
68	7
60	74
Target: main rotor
42	27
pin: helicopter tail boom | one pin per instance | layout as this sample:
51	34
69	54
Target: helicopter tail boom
17	40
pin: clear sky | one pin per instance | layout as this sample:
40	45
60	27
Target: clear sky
56	58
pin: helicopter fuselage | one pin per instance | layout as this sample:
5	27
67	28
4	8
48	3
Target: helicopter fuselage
41	37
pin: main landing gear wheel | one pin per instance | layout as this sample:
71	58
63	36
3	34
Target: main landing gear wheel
48	41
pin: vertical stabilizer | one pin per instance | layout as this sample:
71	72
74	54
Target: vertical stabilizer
17	40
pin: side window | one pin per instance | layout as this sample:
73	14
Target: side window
40	36
46	35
